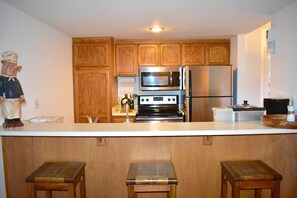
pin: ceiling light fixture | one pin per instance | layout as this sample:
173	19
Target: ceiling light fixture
156	29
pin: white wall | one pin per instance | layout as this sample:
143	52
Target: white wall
250	75
248	60
284	61
46	56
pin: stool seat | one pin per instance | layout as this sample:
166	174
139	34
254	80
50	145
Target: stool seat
151	177
249	174
57	176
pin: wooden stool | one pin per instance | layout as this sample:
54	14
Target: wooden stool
151	177
247	175
57	176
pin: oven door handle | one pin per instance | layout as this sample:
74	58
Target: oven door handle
158	118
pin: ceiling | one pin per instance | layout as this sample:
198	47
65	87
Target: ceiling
127	19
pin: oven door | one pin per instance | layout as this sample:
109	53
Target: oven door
160	116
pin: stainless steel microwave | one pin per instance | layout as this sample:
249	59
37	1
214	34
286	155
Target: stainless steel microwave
160	78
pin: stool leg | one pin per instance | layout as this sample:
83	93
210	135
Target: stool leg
235	190
31	190
82	186
71	191
131	193
172	192
275	192
48	194
258	193
224	185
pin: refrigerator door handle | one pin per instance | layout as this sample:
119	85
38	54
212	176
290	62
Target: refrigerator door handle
188	109
190	83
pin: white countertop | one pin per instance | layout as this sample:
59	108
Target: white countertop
115	112
143	129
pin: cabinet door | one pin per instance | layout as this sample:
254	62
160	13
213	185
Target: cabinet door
148	54
193	54
91	54
218	54
122	119
170	54
126	60
91	94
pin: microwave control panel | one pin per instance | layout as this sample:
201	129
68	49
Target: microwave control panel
150	100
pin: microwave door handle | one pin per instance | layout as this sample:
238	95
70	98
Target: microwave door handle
170	78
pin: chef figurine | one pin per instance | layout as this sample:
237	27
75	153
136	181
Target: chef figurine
11	93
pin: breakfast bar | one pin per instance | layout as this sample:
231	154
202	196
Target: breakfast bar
195	149
144	129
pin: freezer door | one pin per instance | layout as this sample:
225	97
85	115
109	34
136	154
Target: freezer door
209	81
200	109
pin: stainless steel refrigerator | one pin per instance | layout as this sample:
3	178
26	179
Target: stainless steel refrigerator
206	87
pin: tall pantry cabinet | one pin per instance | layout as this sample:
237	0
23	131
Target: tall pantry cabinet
95	87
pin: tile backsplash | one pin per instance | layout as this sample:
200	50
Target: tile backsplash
127	85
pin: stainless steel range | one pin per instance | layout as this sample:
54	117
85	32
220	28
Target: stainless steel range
159	109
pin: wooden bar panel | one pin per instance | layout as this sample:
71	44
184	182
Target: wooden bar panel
197	166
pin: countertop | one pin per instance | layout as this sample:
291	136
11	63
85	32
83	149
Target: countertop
115	112
144	129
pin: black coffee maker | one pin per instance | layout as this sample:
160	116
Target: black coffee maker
276	105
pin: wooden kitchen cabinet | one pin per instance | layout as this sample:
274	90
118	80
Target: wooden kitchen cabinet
164	54
122	119
91	52
170	54
91	94
95	87
148	55
199	52
193	54
218	54
126	60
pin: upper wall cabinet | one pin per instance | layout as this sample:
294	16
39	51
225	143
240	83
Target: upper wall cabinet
126	60
193	54
218	54
90	53
148	54
170	54
201	52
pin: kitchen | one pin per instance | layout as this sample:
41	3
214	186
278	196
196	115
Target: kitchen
241	58
151	67
57	61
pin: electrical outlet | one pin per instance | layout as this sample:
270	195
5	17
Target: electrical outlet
36	103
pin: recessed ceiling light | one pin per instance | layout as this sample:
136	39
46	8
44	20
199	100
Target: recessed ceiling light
156	29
